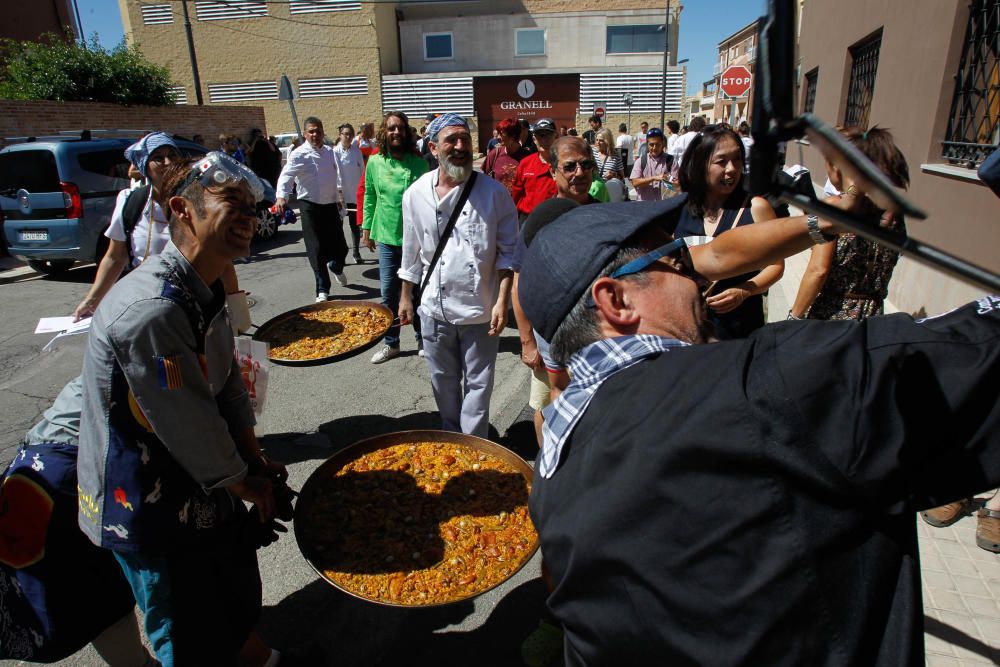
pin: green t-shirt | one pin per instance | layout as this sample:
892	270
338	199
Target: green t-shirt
599	191
386	179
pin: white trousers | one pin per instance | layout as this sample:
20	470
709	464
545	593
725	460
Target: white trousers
461	359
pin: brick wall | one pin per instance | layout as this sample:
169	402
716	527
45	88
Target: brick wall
19	119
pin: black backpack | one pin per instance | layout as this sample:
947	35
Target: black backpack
131	211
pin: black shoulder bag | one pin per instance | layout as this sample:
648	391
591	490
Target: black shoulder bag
457	211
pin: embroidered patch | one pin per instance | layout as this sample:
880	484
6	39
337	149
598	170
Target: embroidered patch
122	499
169	370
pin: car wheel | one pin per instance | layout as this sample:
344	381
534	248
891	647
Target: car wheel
267	225
51	265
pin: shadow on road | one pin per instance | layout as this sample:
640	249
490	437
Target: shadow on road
355	632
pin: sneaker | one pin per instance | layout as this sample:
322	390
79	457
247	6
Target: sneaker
357	257
322	296
420	349
340	278
385	354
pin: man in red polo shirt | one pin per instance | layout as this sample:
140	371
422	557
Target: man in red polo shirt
533	182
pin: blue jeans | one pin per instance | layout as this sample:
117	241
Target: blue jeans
390	258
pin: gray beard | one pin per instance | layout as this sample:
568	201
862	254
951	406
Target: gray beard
456	172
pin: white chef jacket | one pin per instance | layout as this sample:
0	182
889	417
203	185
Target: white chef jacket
351	164
465	284
315	173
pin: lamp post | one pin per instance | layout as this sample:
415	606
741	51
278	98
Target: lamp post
666	60
627	101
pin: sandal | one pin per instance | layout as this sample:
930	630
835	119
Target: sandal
988	530
543	646
945	515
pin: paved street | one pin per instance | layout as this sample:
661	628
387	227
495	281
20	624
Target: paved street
312	412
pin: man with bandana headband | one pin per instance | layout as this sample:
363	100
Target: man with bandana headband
463	309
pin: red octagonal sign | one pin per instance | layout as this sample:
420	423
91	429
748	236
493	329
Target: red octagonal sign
736	81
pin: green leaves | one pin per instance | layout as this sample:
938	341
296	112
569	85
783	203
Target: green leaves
64	70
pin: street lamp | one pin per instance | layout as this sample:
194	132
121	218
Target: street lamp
627	101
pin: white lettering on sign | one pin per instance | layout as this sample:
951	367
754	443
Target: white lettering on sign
736	81
529	104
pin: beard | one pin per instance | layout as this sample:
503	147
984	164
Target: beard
456	172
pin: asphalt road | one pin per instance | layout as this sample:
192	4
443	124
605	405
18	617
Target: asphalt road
310	413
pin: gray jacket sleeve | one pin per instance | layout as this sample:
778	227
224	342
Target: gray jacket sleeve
154	344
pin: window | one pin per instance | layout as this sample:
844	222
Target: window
180	94
315	6
437	46
861	89
35	171
809	101
220	10
156	14
242	92
111	163
334	86
974	122
636	39
529	42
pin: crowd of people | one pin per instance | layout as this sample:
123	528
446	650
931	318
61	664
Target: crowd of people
707	490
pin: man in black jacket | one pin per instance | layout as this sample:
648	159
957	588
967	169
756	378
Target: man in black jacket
745	502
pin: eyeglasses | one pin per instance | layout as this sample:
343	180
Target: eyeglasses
677	248
159	157
217	168
347	134
571	166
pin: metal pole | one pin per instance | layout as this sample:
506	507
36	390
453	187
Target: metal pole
79	26
194	60
666	59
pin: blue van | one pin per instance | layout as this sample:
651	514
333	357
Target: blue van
57	195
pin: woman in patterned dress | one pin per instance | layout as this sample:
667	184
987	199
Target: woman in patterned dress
849	279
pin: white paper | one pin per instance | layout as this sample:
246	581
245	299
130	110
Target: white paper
252	356
57	324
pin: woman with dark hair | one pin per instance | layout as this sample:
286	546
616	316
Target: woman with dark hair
712	177
849	279
501	162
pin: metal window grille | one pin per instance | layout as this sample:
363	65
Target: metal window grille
314	6
180	94
862	86
156	14
419	97
333	87
974	122
230	9
242	92
646	89
809	103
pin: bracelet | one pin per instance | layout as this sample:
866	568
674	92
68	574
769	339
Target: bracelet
792	317
815	233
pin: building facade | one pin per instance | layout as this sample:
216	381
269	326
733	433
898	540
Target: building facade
938	96
740	48
351	61
24	22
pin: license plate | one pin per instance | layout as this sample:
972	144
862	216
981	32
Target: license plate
35	236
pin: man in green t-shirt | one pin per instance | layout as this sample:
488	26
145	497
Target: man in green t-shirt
388	173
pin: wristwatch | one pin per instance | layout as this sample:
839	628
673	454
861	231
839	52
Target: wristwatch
815	233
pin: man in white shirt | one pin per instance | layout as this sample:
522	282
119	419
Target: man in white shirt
351	164
625	141
313	168
697	125
463	309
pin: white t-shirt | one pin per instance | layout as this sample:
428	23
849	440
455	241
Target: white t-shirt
627	142
155	239
351	164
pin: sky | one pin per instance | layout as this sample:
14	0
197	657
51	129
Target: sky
704	23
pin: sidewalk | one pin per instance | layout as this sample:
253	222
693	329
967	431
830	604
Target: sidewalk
961	581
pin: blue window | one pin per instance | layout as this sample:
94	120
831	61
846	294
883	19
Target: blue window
636	39
437	46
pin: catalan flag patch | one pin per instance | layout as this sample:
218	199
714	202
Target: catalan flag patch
169	369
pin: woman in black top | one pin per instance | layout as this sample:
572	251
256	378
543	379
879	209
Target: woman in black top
712	177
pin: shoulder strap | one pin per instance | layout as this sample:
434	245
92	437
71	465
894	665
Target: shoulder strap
457	211
131	212
645	161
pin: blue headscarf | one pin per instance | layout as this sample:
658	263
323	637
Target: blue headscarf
139	152
443	121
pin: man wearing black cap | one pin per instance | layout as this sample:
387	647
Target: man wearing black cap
744	502
533	181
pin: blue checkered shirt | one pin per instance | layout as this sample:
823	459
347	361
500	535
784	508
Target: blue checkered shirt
589	368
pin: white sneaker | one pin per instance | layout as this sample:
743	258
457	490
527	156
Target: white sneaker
420	350
321	297
340	278
385	354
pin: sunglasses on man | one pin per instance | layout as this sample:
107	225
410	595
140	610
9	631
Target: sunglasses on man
571	166
676	249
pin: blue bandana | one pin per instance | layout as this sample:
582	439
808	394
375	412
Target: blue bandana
443	121
139	152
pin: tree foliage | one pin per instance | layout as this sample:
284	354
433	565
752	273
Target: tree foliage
68	71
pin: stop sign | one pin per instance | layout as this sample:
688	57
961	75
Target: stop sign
736	81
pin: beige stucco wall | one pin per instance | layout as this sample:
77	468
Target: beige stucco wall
259	49
913	91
